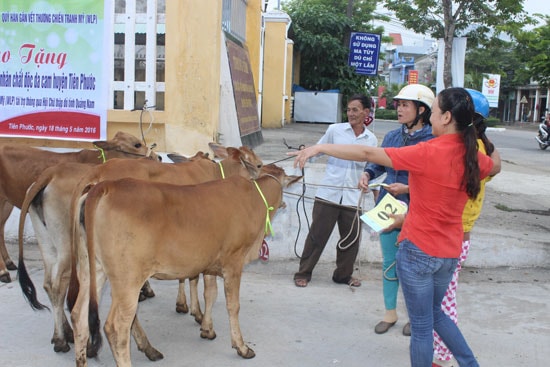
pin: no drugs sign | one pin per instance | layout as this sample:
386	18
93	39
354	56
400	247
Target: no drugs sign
364	49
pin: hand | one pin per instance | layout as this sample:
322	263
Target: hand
398	220
397	189
364	182
303	155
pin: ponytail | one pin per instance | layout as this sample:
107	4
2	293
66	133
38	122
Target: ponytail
459	102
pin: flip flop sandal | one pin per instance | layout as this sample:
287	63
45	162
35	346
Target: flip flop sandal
301	283
354	282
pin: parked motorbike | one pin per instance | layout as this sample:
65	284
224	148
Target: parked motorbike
542	137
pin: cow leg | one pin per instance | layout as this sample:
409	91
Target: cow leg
5	262
60	284
50	271
194	299
56	277
181	300
79	315
232	283
119	321
210	295
143	343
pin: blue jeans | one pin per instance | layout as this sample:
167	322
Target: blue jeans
424	280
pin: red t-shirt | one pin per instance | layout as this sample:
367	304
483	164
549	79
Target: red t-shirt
436	169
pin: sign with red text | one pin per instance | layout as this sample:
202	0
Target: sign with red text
413	76
54	68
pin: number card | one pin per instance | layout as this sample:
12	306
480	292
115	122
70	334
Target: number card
378	217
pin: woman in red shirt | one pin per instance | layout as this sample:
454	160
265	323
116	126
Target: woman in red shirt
443	173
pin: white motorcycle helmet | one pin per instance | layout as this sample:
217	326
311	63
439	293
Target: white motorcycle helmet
416	92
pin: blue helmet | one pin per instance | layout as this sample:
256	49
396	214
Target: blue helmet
481	104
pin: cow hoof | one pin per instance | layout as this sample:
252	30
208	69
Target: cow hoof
182	308
249	353
91	352
61	347
145	293
208	334
198	317
153	354
10	265
149	293
5	277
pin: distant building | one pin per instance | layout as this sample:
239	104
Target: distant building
401	59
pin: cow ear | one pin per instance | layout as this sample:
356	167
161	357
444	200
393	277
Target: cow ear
105	145
177	158
290	180
219	150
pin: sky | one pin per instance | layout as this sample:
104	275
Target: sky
532	6
410	38
536	6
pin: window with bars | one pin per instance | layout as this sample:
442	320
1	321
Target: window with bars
139	54
139	44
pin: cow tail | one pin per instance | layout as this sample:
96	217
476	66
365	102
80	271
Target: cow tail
76	217
93	315
28	288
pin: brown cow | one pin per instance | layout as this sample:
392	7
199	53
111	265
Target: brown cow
20	166
48	202
170	232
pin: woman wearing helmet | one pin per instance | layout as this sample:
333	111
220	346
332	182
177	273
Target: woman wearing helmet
472	209
413	113
443	173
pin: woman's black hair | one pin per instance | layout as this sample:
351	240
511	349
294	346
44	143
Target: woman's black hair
424	116
459	103
479	123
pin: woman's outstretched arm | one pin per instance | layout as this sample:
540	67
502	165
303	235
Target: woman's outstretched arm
359	153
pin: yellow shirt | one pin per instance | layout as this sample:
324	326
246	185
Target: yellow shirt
472	209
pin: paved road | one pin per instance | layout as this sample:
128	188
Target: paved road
502	311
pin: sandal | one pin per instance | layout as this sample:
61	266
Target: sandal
383	326
354	282
300	282
407	329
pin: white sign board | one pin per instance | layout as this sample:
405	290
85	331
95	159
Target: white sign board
491	88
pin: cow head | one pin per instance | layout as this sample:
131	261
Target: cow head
245	155
280	175
127	144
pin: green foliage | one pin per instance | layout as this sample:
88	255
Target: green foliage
390	92
386	114
495	56
533	48
481	21
321	30
492	121
489	17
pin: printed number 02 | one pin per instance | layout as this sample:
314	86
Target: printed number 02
384	214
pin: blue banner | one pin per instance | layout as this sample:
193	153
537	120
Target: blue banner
364	49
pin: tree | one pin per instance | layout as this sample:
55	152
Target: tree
497	56
320	31
479	20
533	48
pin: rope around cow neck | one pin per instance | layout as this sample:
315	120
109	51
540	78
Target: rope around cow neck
221	170
268	226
